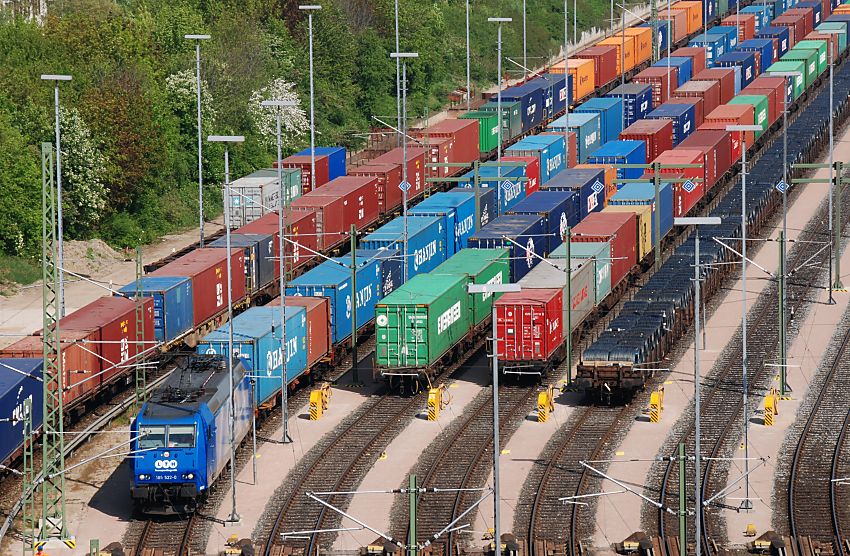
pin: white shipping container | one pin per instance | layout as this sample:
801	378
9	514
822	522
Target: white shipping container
582	284
257	194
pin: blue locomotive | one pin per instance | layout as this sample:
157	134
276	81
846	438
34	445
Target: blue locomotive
181	436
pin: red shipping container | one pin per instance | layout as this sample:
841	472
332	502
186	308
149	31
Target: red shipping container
774	99
697	103
734	138
529	324
79	360
679	22
304	163
832	49
318	324
740	114
116	318
747	27
708	91
724	76
658	78
618	227
463	136
415	166
439	152
719	141
808	17
683	200
532	171
389	178
697	56
300	231
796	27
361	199
207	268
657	134
604	63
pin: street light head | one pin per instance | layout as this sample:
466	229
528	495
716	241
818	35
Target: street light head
785	74
279	103
829	31
696	221
55	77
738	127
404	55
310	7
493	288
226	138
499	19
197	37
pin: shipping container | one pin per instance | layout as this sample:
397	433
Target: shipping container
389	178
725	77
621	152
172	304
486	202
822	49
582	282
746	24
207	268
836	26
679	23
744	60
764	48
610	110
719	141
657	134
458	213
696	103
760	107
594	254
734	114
708	91
260	261
415	167
15	389
488	129
643	193
643	43
257	339
335	157
421	321
529	324
609	174
637	101
683	65
360	199
305	165
729	34
625	57
643	226
714	45
532	168
558	209
697	56
479	266
617	228
559	92
511	117
798	83
796	25
588	128
605	62
684	198
762	13
587	183
812	17
463	137
820	8
780	37
694	14
662	34
774	94
734	137
318	312
583	74
259	193
550	149
494	177
333	217
661	79
301	234
523	234
438	150
834	42
390	261
428	238
682	116
333	281
530	95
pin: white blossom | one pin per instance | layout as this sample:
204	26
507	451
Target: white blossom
183	90
83	171
293	123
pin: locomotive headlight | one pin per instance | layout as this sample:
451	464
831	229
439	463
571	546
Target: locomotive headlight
188	476
142	477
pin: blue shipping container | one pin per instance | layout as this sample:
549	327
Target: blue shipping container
531	96
684	64
817	11
525	235
744	60
428	238
610	110
489	177
390	261
557	92
663	33
459	214
260	261
709	8
15	389
622	152
781	35
336	159
682	116
559	211
729	33
589	183
762	14
637	102
643	193
714	45
256	338
486	202
764	47
588	131
550	149
332	280
172	304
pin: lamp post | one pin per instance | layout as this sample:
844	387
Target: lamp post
524	48
56	79
402	57
499	21
746	504
310	8
493	289
198	39
834	230
228	140
696	222
566	90
284	386
468	81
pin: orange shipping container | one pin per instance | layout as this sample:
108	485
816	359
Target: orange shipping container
628	55
842	9
678	20
694	14
610	178
643	43
582	71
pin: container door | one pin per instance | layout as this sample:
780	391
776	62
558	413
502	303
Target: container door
402	336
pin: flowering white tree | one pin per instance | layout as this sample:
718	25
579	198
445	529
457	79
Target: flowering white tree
293	124
84	169
182	90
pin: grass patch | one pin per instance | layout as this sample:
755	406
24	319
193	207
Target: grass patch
16	271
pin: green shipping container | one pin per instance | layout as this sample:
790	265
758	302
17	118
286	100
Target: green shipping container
809	59
722	7
597	254
479	266
421	320
823	51
799	82
511	117
836	25
760	109
488	132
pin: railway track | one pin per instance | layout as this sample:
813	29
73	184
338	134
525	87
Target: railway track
165	537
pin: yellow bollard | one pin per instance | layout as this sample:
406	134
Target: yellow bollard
545	404
771	407
435	400
656	405
317	404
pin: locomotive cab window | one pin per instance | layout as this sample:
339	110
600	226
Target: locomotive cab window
181	436
152	436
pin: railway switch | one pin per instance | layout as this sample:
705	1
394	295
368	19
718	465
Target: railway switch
545	404
319	400
656	405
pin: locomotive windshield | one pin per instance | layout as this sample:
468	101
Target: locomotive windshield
151	436
181	436
162	436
